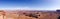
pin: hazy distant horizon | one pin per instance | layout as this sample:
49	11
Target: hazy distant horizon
26	9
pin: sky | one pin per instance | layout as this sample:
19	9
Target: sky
30	4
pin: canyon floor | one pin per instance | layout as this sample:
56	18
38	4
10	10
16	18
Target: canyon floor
28	14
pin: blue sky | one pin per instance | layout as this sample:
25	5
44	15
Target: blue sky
30	4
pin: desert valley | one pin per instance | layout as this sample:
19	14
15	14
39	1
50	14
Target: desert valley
28	14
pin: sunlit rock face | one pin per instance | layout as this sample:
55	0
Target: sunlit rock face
28	14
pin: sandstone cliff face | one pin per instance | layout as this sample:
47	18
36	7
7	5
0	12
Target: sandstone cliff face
16	14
